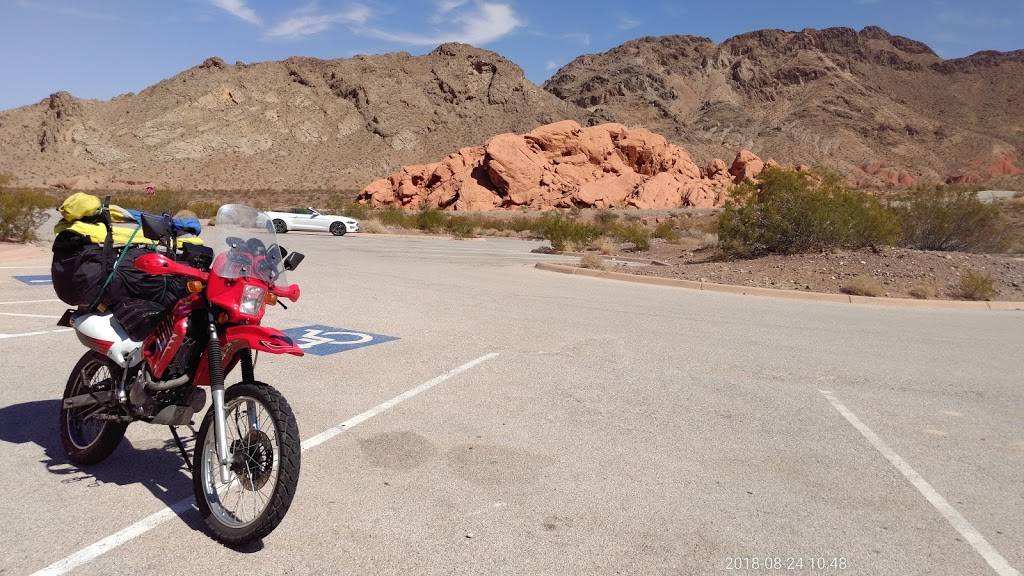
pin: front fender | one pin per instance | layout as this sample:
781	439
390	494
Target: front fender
238	338
259	338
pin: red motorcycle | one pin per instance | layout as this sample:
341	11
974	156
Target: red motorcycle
245	464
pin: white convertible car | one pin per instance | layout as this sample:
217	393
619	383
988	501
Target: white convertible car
310	220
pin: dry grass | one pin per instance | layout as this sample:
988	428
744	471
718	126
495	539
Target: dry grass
708	240
604	246
922	292
593	261
862	286
372	226
977	286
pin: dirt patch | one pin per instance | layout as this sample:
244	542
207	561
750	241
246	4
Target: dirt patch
901	272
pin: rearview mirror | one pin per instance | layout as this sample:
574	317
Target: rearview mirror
314	212
292	261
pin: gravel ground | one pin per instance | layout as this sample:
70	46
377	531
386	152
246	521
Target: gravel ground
898	270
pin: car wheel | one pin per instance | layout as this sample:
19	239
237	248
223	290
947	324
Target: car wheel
338	229
280	227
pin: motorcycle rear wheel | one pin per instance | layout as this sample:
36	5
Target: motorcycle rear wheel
88	440
263	440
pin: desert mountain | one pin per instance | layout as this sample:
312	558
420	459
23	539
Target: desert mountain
301	123
879	108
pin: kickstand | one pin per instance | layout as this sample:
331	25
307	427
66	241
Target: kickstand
181	447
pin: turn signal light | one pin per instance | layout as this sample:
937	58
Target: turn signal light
271	299
194	286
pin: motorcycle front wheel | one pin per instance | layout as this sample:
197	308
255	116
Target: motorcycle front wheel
264	452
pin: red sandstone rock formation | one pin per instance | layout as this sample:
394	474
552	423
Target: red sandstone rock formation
562	165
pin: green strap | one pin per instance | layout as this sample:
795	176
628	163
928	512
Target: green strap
117	263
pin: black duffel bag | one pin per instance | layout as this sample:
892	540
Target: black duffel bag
79	268
79	272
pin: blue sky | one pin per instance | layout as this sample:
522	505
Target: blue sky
101	48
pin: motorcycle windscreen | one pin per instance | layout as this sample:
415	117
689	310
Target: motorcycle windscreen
245	245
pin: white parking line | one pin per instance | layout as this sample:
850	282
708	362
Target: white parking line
30	301
27	315
93	551
976	540
38	333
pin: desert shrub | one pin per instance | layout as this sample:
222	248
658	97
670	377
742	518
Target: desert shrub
633	233
22	211
594	261
161	202
204	209
945	218
372	226
431	220
520	224
460	226
343	205
977	286
563	232
604	246
790	212
708	240
921	292
185	214
862	286
6	179
666	231
397	217
605	218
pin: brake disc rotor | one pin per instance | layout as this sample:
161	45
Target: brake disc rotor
253	459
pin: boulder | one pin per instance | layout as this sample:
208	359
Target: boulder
662	190
558	138
514	166
746	166
608	192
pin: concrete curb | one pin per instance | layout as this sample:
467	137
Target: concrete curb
618	257
777	293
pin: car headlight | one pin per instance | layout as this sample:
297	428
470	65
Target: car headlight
252	300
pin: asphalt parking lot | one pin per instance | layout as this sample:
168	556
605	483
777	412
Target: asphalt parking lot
555	425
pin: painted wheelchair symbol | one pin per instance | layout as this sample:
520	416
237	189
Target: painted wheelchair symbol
325	340
316	337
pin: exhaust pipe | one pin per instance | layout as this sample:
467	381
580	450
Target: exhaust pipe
83	400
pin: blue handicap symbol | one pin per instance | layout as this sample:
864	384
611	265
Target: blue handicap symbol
41	280
321	340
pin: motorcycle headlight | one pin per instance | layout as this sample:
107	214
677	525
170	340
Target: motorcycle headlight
252	300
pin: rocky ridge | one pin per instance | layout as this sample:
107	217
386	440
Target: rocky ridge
880	108
301	123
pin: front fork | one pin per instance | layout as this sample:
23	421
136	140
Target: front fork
216	363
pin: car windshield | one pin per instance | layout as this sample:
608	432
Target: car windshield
245	244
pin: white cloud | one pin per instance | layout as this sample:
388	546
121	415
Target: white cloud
551	65
238	9
627	22
446	6
310	21
485	22
582	37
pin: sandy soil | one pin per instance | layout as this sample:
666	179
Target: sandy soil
897	269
